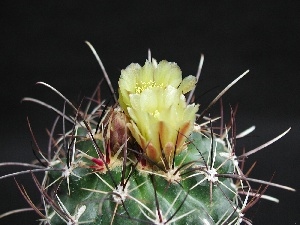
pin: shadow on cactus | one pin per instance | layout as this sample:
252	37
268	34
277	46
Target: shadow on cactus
144	157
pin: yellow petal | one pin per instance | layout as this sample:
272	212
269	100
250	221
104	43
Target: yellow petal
146	74
168	74
128	77
149	101
187	84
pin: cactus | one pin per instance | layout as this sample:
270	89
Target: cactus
147	158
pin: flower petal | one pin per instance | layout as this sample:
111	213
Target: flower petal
167	74
187	84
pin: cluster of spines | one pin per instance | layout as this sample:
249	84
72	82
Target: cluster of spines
93	160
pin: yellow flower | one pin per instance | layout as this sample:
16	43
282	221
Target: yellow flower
153	98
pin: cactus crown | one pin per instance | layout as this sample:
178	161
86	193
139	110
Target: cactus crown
144	160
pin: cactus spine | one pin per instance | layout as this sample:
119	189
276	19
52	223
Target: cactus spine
145	159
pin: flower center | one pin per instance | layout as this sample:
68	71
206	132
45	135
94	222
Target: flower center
141	86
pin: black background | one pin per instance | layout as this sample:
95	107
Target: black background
44	41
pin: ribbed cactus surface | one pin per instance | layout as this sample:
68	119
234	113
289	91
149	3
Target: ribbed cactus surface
190	192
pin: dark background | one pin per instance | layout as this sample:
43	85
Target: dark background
44	41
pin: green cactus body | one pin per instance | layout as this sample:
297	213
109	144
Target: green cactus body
131	194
